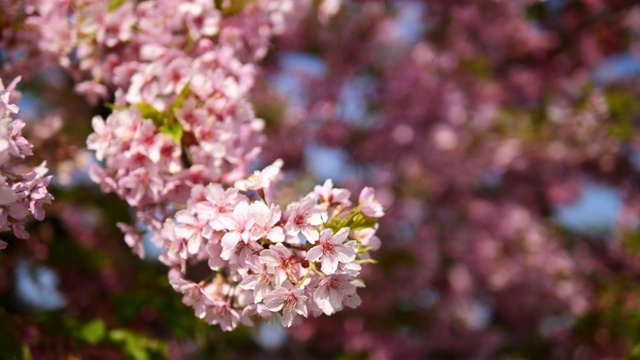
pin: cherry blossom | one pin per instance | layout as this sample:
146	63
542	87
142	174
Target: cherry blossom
370	205
330	294
330	196
304	217
260	179
288	299
330	250
177	146
281	262
266	219
239	228
22	193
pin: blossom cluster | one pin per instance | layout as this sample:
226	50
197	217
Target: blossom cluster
480	121
264	261
23	189
181	115
177	147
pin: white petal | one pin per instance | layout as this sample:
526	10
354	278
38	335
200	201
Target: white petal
276	234
194	245
268	256
344	253
314	253
229	240
335	297
329	264
340	236
311	233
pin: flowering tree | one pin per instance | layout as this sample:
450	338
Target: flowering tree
477	122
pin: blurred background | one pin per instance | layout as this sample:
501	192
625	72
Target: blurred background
501	135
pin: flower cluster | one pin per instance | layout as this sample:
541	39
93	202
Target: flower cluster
177	147
480	121
22	192
181	115
266	262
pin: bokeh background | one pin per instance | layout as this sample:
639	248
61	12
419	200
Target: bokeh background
501	135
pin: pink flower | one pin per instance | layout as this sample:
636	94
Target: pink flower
288	299
327	9
332	291
194	295
214	250
6	108
219	205
7	196
201	18
260	281
260	179
193	229
331	196
305	217
265	220
92	91
222	313
100	138
133	238
239	229
36	184
331	250
190	115
281	262
175	76
370	206
367	238
175	248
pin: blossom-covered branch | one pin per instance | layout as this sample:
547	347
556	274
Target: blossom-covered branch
23	189
177	147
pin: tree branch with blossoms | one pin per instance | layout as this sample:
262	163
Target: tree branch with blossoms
177	147
22	191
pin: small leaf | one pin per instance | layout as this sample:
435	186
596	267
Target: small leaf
137	346
174	130
149	112
235	6
114	4
26	352
180	99
623	107
111	106
477	66
92	332
361	221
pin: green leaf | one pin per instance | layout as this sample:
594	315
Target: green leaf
149	112
477	66
92	332
623	106
135	345
114	4
355	221
26	352
132	344
177	103
232	7
174	130
360	221
111	106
